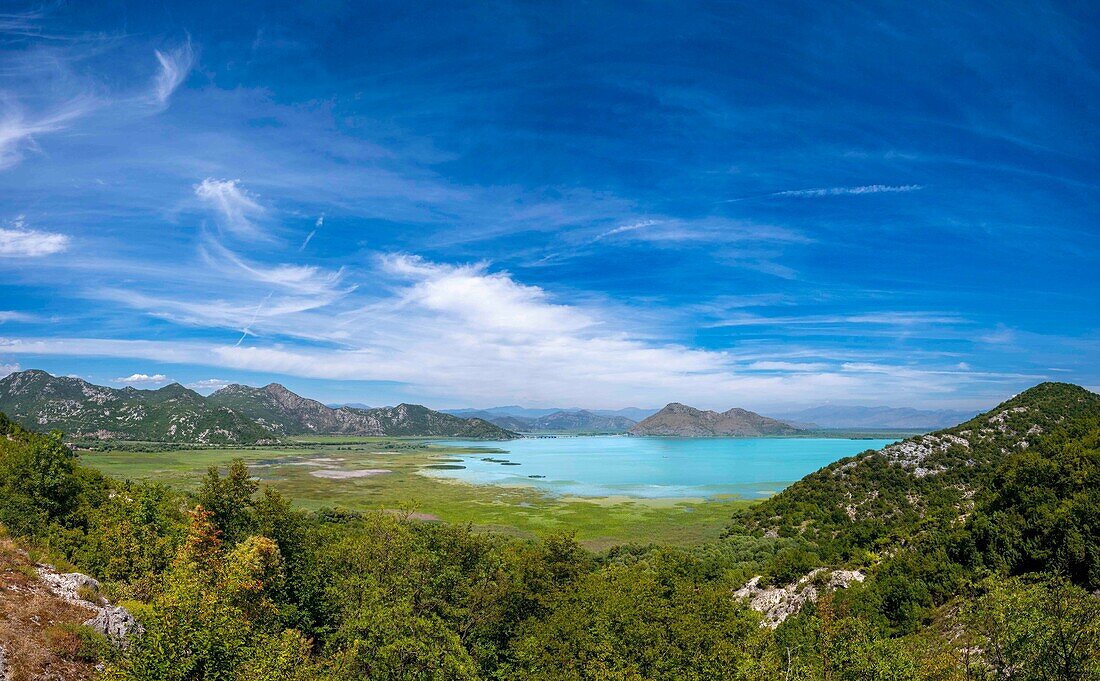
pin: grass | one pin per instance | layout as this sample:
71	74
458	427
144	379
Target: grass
518	511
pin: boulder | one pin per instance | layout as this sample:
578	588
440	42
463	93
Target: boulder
116	623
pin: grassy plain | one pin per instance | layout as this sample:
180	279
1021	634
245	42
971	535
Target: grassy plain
519	511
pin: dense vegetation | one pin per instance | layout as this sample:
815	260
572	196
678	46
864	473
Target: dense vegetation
989	579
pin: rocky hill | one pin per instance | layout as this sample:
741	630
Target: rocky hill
683	421
41	401
930	476
237	414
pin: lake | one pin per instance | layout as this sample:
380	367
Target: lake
649	466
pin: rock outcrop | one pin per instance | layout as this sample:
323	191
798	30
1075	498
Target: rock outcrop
113	621
116	623
778	603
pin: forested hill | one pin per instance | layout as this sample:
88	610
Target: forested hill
923	479
237	414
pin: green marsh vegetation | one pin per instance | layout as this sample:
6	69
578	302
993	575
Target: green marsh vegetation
516	511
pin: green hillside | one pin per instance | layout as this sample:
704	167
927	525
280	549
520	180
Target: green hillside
924	479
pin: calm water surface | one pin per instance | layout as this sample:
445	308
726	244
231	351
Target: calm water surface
651	466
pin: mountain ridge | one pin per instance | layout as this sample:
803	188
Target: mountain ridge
236	414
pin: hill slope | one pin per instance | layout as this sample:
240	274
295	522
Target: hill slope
923	477
681	420
237	414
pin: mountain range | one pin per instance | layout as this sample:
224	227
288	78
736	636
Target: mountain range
236	414
633	413
822	416
683	421
856	417
564	421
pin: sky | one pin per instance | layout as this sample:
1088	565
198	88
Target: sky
762	205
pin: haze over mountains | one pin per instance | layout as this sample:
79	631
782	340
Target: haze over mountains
236	414
905	418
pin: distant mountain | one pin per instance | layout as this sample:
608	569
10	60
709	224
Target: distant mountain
563	421
902	418
632	413
582	421
511	410
236	414
684	421
40	401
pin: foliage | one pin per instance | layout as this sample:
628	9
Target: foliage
981	571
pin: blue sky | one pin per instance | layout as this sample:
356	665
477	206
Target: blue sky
764	205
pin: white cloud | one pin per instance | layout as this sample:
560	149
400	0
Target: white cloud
6	369
29	243
143	379
174	67
843	191
210	384
14	316
236	206
452	331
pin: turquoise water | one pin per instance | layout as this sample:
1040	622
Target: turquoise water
651	466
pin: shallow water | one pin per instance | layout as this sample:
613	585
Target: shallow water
652	466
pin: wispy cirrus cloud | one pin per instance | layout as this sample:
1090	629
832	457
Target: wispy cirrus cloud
309	237
19	129
19	241
237	208
630	227
851	191
174	67
467	329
